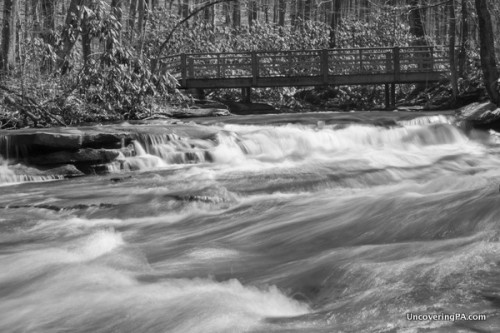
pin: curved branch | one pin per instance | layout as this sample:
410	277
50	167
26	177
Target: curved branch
184	20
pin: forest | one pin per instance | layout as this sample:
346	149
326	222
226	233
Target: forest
70	62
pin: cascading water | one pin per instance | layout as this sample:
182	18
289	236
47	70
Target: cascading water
309	227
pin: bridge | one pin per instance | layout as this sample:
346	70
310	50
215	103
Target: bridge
260	69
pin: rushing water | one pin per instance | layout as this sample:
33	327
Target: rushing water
305	227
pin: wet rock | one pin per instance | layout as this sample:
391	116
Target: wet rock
49	140
249	108
119	179
203	112
108	140
67	171
85	155
483	116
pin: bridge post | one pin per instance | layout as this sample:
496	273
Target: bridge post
397	63
387	97
191	68
393	95
388	62
361	60
246	95
218	66
324	65
184	69
255	68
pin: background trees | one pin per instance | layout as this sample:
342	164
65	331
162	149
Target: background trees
104	49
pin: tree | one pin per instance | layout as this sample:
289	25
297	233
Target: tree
416	25
462	56
487	50
48	19
236	14
116	11
131	17
69	34
335	22
252	12
281	12
8	58
452	28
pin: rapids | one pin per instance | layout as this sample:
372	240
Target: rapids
286	225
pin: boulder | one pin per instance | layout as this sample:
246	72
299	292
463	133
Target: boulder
483	116
47	140
250	108
205	112
101	140
66	170
85	155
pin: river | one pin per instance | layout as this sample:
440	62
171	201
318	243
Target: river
287	224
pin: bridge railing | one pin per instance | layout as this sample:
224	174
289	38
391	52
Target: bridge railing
307	63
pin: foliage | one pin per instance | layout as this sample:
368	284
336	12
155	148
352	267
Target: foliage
382	30
114	77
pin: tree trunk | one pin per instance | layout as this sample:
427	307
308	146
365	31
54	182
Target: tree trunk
69	34
281	12
185	8
462	56
131	18
334	24
300	11
307	10
293	13
252	12
226	8
416	26
141	9
451	41
236	14
48	17
8	59
86	41
487	51
116	10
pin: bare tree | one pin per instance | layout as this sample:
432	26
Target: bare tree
487	50
252	12
48	16
415	21
462	56
281	12
236	14
335	22
8	58
70	33
452	39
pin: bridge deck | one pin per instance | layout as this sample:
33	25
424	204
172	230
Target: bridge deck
308	67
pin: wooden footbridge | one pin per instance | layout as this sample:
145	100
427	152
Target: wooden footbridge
362	66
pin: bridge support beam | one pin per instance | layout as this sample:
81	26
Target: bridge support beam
387	97
246	95
197	93
390	96
393	95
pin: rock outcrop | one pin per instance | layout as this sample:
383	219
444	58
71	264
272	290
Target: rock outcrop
249	108
484	116
72	152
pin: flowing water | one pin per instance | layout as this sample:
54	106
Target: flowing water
298	226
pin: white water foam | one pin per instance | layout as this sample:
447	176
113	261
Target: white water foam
416	142
10	177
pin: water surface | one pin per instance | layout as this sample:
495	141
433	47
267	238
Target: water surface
296	223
